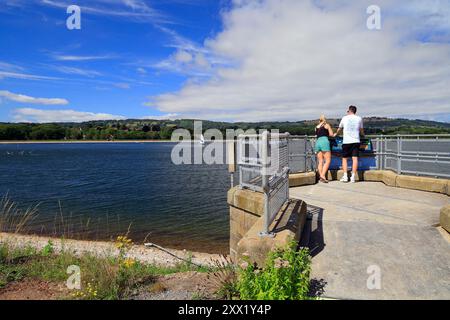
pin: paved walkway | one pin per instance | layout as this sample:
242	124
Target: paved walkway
369	225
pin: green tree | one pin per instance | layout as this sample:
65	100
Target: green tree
47	132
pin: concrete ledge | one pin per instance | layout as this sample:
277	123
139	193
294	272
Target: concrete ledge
374	175
392	179
422	183
445	218
448	187
287	226
389	178
247	200
302	179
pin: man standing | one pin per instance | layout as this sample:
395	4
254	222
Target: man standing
352	125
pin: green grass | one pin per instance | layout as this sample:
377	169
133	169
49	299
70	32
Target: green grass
285	276
101	278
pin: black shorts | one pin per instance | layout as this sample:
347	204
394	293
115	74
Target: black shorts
350	150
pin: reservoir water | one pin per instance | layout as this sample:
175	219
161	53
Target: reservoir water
99	190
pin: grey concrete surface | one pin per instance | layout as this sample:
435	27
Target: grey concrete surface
369	225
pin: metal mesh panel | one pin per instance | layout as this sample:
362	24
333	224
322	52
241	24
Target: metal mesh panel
297	155
426	145
301	154
269	175
249	162
279	155
278	196
421	155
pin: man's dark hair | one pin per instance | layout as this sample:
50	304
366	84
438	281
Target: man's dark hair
353	109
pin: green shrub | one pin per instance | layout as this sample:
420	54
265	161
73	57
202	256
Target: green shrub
48	249
285	276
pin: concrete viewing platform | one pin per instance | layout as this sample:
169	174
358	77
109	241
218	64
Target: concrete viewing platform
366	226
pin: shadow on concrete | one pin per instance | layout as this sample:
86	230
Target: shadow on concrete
312	236
317	287
289	218
313	239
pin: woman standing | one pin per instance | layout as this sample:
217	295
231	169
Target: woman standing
323	149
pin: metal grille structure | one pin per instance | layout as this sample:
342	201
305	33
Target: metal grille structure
422	155
263	161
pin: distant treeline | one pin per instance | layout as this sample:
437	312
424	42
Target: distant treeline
162	129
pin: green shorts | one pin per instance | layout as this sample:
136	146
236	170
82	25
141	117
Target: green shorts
322	145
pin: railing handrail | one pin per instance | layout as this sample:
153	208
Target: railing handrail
425	135
372	136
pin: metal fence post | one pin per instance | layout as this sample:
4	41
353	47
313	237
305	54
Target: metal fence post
265	181
288	138
378	153
399	154
306	153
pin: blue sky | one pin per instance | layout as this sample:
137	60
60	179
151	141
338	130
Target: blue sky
222	60
110	65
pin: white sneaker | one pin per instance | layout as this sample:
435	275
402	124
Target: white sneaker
344	179
352	179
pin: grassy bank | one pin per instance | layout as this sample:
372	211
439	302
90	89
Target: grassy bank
122	270
285	275
101	278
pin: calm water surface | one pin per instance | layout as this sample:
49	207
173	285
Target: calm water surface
98	190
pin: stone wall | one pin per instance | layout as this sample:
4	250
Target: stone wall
445	218
246	222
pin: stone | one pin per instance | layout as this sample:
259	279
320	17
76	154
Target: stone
287	226
422	183
247	200
389	178
448	187
374	175
445	218
302	179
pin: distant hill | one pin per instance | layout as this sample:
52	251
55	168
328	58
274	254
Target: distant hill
162	129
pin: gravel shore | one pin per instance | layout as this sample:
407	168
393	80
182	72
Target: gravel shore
107	249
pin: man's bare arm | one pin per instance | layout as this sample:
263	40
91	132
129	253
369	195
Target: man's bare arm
337	132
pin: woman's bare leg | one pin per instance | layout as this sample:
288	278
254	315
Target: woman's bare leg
320	163
326	165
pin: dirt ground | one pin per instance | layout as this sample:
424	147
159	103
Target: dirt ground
33	289
179	286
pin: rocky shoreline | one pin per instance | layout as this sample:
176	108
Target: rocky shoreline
150	255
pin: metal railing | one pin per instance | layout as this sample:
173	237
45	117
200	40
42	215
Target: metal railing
263	162
421	154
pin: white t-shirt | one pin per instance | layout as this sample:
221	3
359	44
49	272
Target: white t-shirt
351	125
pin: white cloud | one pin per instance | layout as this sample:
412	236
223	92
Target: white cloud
27	99
169	116
61	57
77	71
122	85
41	116
141	70
5	66
24	76
140	11
297	59
183	56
